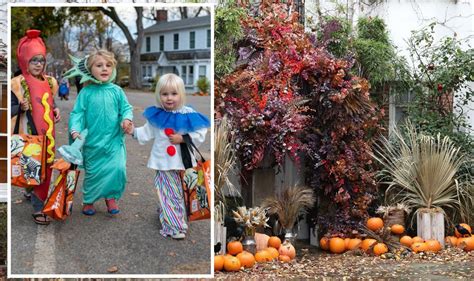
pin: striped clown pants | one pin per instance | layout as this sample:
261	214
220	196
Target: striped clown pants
171	202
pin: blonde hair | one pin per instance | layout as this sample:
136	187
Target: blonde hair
108	56
173	81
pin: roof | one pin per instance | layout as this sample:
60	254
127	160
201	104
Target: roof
179	24
177	55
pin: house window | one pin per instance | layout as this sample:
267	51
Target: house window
398	108
162	42
208	38
202	71
183	73
150	73
148	44
175	41
143	71
190	75
192	40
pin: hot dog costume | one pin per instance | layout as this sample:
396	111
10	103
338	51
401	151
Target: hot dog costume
166	159
39	92
101	107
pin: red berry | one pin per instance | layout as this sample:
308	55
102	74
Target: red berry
440	87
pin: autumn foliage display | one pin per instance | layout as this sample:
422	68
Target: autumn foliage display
289	96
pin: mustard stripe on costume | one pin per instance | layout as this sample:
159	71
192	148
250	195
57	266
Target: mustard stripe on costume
49	132
170	194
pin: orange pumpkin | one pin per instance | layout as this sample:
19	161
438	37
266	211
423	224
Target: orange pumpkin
466	226
374	224
263	256
287	249
273	252
234	247
261	240
433	245
397	229
218	263
274	242
231	264
367	243
324	243
451	241
246	259
419	247
346	242
406	241
418	239
467	244
380	248
284	258
337	245
354	244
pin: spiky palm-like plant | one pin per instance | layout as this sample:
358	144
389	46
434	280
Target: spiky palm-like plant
423	171
289	204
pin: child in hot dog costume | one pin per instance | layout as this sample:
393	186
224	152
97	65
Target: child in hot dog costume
34	90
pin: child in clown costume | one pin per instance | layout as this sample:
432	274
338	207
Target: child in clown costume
33	90
167	124
103	109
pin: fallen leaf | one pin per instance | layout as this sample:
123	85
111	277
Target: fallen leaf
173	254
134	193
19	201
193	241
112	269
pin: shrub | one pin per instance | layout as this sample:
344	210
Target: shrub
203	85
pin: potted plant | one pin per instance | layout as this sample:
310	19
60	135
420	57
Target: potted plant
423	172
251	219
288	205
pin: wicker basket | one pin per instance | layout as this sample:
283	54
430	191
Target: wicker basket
396	216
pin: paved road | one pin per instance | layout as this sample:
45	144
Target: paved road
130	241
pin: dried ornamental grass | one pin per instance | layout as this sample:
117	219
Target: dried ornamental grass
289	204
224	162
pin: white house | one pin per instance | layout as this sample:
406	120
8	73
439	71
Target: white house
182	47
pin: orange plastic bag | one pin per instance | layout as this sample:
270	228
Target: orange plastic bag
58	205
197	193
28	156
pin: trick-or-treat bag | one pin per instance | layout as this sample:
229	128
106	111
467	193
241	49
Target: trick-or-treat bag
58	205
196	183
28	156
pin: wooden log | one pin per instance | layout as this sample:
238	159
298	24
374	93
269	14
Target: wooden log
430	224
220	236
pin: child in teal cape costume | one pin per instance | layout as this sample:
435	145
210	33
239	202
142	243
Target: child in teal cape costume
102	108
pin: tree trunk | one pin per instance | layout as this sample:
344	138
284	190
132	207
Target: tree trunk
134	45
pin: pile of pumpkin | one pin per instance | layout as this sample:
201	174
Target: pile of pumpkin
338	245
236	257
417	244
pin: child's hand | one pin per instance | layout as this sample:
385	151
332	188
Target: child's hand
25	105
127	126
130	128
175	138
76	135
57	115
